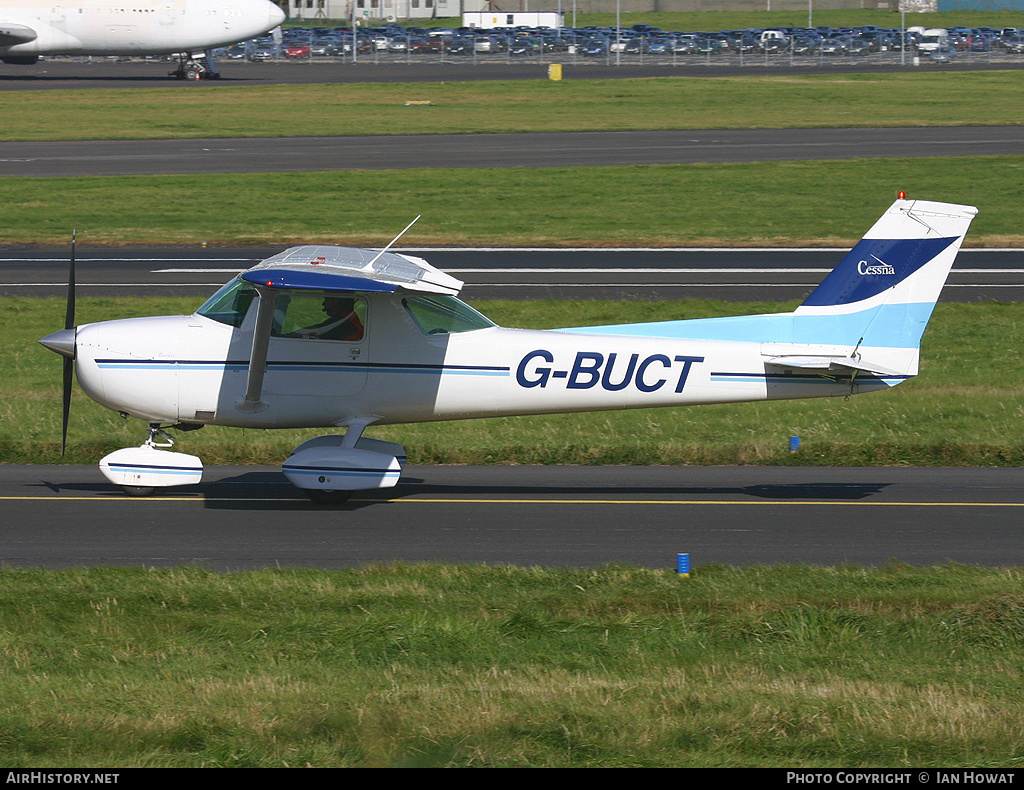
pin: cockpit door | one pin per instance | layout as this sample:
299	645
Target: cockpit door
318	344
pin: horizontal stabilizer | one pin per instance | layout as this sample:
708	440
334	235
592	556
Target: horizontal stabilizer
831	364
16	34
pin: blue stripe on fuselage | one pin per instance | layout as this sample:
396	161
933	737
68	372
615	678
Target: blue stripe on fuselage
886	326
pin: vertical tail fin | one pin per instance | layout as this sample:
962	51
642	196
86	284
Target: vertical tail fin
883	292
868	314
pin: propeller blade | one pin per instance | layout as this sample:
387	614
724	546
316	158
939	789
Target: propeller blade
69	374
69	315
69	362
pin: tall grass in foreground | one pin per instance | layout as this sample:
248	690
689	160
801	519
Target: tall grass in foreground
479	666
964	409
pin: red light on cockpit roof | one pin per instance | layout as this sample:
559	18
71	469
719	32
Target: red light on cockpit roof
901	195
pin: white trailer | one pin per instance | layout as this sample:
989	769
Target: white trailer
494	19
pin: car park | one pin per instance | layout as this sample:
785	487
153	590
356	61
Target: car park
639	43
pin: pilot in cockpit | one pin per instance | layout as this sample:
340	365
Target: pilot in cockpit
342	321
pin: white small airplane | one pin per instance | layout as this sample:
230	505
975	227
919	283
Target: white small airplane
188	28
337	337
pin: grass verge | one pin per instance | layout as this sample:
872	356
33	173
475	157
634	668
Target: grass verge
910	98
963	410
435	665
761	204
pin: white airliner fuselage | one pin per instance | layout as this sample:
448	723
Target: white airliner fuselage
29	28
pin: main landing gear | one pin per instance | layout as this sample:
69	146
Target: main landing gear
327	469
196	67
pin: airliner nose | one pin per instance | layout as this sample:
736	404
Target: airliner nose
276	15
62	342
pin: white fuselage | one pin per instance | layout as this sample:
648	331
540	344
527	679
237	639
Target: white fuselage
141	27
193	369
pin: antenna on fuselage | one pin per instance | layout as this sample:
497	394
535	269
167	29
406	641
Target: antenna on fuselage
392	242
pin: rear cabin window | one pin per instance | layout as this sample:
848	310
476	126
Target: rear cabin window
444	315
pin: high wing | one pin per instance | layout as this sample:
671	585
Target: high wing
329	269
326	268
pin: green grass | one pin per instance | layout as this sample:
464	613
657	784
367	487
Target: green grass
763	204
912	98
490	667
963	410
442	666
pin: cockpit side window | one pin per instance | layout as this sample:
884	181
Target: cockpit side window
320	316
444	315
230	304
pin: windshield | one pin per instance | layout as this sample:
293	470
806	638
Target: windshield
230	304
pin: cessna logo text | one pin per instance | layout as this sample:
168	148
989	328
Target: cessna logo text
591	369
874	268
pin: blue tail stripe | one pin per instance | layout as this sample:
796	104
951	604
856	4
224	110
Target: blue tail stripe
873	266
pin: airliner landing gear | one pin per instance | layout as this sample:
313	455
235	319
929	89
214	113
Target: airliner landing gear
192	67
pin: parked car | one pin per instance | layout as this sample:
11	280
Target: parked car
1015	44
943	54
262	53
835	46
805	45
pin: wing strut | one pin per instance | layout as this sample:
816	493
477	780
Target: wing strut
252	402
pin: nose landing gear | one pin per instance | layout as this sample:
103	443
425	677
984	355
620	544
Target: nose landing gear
139	471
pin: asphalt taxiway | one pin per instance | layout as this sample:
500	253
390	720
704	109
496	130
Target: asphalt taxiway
494	273
533	150
250	517
64	74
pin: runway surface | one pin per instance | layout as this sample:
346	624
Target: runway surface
555	149
495	273
250	517
106	73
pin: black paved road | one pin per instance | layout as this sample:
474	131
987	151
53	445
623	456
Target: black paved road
562	149
105	73
639	274
250	517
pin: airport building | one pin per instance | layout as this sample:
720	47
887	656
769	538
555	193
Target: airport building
374	11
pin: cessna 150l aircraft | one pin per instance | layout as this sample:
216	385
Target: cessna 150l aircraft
320	336
30	28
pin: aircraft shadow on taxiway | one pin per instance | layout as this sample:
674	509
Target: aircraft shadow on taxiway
270	491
